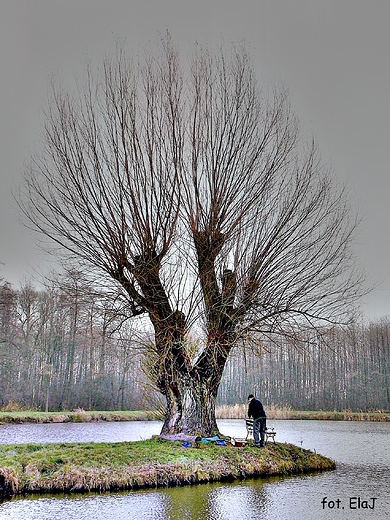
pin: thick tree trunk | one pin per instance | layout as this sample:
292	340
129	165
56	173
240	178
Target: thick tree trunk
191	394
192	411
190	389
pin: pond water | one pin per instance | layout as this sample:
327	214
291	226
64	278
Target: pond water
361	450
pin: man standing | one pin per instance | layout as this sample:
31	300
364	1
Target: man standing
256	410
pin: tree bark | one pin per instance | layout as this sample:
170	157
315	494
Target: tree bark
191	406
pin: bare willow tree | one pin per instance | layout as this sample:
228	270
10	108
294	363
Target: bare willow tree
193	191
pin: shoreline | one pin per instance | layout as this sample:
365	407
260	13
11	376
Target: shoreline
75	416
239	411
85	467
222	412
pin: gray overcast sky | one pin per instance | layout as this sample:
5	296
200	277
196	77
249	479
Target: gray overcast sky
333	56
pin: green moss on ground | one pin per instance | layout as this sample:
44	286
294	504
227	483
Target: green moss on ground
132	465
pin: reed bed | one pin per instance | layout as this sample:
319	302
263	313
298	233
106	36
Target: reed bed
59	468
239	411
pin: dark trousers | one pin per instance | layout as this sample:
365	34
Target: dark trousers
259	426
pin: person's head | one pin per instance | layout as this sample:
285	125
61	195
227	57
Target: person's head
250	397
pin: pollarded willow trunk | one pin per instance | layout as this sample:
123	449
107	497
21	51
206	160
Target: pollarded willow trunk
190	388
192	395
192	409
192	392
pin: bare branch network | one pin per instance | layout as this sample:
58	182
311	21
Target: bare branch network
195	193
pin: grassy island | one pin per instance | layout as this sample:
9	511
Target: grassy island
82	467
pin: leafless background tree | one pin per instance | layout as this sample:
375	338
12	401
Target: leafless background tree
68	346
195	193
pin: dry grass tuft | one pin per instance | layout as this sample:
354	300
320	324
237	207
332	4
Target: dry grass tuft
239	411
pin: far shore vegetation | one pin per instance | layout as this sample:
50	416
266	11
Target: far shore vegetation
84	467
50	363
14	413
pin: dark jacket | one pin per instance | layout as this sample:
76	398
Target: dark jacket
255	409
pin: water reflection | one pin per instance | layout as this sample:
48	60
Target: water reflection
207	501
231	502
218	501
138	505
276	498
360	449
78	432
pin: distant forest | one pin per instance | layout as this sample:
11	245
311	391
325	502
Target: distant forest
70	346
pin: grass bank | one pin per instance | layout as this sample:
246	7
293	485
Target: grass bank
237	411
27	416
58	468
